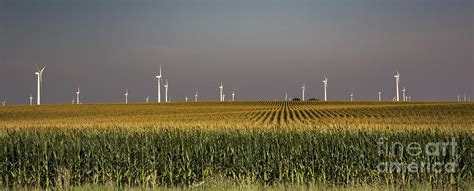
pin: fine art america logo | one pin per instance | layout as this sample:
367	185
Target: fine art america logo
417	158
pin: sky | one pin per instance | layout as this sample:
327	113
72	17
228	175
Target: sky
260	48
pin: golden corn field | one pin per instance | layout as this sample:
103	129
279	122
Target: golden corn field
253	142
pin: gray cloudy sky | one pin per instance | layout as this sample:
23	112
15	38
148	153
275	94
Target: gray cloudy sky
259	48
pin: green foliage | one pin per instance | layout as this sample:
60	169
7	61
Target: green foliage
247	143
52	157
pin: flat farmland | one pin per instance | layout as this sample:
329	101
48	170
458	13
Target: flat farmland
259	114
188	145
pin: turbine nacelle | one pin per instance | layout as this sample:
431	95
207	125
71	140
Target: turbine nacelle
40	72
325	79
159	75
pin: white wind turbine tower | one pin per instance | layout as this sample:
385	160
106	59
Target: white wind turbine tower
4	102
465	98
159	85
397	80
459	98
147	99
302	90
221	88
380	96
404	94
73	101
223	97
233	95
196	97
286	96
39	74
166	91
31	99
78	92
325	83
352	97
126	96
186	98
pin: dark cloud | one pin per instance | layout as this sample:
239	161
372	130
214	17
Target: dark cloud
259	49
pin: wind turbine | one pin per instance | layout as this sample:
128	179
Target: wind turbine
397	80
221	88
186	98
465	98
78	92
404	95
73	101
233	95
159	85
31	99
147	99
459	98
286	96
39	74
325	83
302	90
4	102
196	97
352	97
166	91
223	97
126	96
380	96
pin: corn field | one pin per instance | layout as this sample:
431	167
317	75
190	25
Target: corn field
265	142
